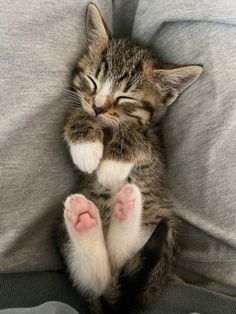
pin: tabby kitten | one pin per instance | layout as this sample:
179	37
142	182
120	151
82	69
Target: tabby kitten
121	231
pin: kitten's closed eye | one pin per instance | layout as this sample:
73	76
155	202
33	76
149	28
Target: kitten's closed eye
92	82
123	98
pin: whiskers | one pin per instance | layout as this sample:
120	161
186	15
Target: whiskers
107	120
127	131
72	98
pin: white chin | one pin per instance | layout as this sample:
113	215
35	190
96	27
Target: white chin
90	112
104	122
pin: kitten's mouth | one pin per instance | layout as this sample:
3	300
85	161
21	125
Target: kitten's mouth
105	121
100	118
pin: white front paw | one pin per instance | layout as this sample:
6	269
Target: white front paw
86	156
110	172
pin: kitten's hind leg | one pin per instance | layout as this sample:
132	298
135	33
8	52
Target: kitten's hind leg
86	253
125	236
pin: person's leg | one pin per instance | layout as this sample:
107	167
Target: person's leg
200	127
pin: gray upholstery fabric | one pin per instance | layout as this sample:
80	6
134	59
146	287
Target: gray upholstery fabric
21	290
39	41
49	307
29	290
200	129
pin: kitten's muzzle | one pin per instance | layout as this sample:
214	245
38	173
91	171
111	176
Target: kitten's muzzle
101	104
98	110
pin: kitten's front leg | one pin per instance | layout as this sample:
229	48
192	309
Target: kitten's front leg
120	155
86	251
84	136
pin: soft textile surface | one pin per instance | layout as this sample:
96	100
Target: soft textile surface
32	289
200	129
20	290
49	307
39	42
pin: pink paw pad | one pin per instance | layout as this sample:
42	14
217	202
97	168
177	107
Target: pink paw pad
124	203
80	212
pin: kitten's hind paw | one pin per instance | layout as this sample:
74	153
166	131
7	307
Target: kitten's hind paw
80	213
86	250
124	235
127	201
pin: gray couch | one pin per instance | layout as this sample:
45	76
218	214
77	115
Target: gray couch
39	42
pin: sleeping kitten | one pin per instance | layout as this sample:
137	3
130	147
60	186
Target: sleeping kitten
121	231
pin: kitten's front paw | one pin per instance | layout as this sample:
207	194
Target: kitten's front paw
86	156
110	172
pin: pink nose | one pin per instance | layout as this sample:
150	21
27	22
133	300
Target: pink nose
98	110
100	101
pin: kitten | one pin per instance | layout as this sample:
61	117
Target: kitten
121	232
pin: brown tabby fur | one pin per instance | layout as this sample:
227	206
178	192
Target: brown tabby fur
131	134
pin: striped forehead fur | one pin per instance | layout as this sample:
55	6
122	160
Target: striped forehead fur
121	68
118	66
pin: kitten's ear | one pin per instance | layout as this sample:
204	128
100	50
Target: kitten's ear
174	81
96	28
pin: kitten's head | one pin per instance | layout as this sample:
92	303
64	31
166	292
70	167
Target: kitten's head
118	82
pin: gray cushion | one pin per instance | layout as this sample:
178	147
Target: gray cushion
32	289
200	128
39	41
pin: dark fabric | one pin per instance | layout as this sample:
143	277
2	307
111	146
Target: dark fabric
51	307
180	298
32	289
